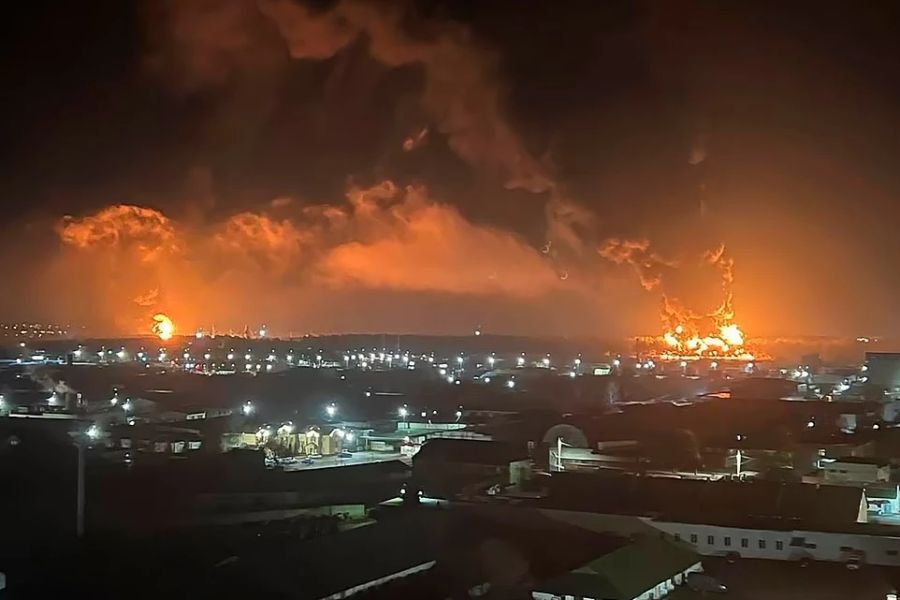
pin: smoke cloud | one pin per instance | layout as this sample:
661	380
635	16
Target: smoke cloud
461	92
384	237
649	266
135	261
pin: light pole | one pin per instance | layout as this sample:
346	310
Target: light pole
79	491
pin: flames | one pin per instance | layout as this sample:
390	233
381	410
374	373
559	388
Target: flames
163	326
688	335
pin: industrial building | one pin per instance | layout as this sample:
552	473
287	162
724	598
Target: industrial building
882	369
446	467
648	568
856	470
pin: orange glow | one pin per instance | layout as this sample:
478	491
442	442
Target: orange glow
691	336
163	326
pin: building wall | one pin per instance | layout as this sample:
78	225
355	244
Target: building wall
715	540
883	369
662	589
849	472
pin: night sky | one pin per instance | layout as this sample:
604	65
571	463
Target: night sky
259	130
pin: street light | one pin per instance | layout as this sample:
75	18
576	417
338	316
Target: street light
331	410
93	432
248	408
403	412
511	384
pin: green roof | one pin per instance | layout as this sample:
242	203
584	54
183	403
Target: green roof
627	572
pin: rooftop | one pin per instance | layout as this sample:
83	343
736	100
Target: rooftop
626	572
686	499
863	460
471	451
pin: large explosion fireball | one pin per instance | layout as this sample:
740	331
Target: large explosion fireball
163	326
687	334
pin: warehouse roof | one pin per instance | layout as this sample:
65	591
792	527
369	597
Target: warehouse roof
688	499
627	572
341	563
471	452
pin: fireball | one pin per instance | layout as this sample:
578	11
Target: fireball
163	326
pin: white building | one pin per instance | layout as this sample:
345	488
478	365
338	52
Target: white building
856	470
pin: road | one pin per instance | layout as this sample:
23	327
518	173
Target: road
749	579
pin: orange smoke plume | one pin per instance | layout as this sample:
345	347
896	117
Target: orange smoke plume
405	241
384	237
646	263
123	227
